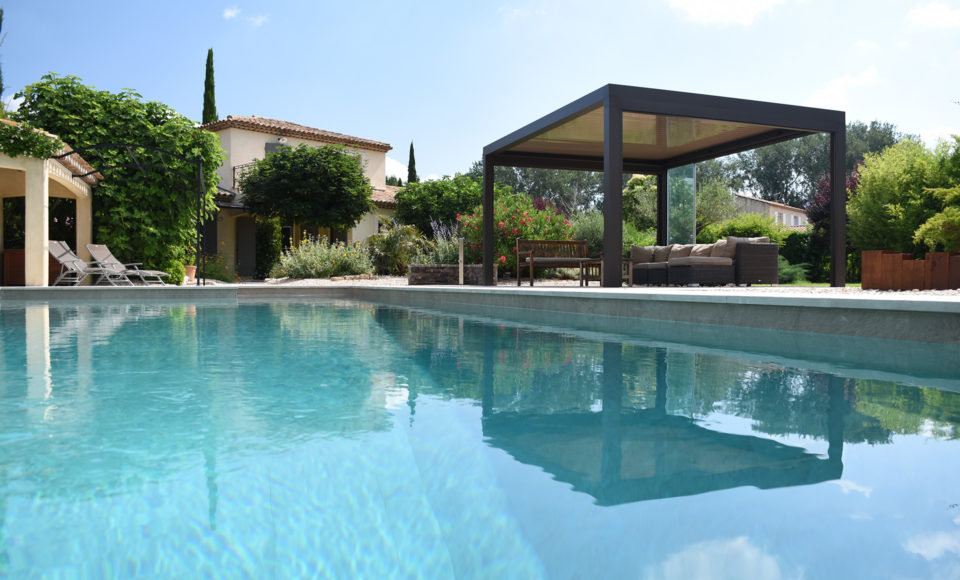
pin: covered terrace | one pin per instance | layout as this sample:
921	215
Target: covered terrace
621	129
37	180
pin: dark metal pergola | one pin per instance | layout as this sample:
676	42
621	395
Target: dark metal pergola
620	129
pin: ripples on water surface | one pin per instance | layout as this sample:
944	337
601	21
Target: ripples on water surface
353	440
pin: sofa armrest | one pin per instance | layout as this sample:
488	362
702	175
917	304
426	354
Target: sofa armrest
756	263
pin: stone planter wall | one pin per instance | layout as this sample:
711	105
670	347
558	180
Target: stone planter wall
418	274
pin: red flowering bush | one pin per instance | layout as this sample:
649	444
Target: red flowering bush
514	217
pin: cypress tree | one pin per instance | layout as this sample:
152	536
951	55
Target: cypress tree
412	167
1	42
209	97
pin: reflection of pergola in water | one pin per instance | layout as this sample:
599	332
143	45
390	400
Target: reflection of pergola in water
618	129
620	457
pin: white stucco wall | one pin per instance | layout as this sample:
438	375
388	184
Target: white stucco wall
243	146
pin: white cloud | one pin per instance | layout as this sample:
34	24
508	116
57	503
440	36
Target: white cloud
396	169
866	45
932	546
848	486
257	21
733	558
742	12
935	15
229	13
834	94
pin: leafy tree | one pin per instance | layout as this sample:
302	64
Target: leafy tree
569	191
392	180
788	172
146	215
894	198
714	203
412	167
438	201
209	94
942	231
324	186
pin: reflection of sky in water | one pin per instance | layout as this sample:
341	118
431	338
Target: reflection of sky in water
292	440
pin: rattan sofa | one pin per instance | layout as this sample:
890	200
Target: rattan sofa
735	260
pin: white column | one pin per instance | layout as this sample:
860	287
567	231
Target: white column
36	223
84	226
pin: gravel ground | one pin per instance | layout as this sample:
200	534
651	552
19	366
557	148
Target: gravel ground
510	282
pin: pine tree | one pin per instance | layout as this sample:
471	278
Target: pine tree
209	96
412	167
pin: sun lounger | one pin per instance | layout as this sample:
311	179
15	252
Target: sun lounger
73	270
104	258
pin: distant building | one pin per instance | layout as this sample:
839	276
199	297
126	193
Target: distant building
245	140
784	215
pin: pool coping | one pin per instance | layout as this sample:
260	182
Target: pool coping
909	317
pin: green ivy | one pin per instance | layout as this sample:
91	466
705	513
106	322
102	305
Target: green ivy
23	139
143	216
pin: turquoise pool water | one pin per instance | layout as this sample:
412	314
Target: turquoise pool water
351	440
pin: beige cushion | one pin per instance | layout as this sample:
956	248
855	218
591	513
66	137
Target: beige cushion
721	249
680	251
700	261
650	266
641	254
661	253
701	249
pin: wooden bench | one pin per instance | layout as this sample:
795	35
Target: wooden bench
549	254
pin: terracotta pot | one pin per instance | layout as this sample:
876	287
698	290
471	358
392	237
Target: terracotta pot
191	271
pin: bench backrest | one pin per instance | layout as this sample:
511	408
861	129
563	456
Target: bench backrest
553	248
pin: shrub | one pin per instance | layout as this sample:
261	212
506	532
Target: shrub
589	226
438	201
216	268
269	245
788	272
394	247
315	258
514	216
747	225
443	249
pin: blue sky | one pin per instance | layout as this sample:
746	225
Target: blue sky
455	76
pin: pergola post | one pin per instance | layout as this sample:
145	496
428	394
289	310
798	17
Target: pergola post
36	223
838	207
612	193
488	263
662	207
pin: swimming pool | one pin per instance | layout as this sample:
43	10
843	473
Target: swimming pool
340	439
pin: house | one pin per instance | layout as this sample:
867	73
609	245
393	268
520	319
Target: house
784	215
246	139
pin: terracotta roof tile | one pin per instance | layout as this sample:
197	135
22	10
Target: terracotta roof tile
385	198
288	129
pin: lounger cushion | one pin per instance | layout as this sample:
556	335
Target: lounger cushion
721	249
661	253
701	249
680	251
650	266
641	254
700	261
